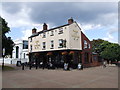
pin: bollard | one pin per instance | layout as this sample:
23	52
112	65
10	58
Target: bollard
23	66
30	66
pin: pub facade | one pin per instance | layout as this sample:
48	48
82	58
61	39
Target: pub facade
60	45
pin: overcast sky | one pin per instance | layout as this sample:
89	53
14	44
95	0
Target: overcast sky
98	20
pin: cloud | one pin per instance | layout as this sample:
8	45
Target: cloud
91	26
58	13
110	35
91	15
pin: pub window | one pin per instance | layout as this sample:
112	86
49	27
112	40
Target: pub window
44	46
85	44
52	44
31	48
60	43
88	45
60	30
52	33
44	35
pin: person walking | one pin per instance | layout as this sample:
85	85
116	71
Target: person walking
104	64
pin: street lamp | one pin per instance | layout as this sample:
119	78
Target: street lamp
3	58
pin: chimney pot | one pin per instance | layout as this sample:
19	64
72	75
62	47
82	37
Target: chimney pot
44	26
70	21
34	30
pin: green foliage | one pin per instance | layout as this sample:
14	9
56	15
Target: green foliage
111	52
106	50
7	43
5	28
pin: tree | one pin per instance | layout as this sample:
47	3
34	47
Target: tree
96	45
105	49
7	43
111	52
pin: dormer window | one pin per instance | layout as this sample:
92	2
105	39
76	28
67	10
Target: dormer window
52	33
60	30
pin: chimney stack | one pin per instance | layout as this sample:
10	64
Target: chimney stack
70	21
44	26
34	30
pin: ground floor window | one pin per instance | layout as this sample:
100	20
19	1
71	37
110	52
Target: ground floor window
86	57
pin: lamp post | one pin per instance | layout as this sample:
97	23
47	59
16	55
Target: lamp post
3	58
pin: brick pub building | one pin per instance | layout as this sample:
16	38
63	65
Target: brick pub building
60	45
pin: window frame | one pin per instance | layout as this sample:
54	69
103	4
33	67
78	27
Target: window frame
44	35
85	44
60	31
60	44
52	44
43	45
52	33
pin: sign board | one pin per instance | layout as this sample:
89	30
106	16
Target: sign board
3	51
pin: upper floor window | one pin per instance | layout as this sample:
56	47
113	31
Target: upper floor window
44	35
85	44
44	45
60	43
60	30
52	33
88	45
52	44
25	44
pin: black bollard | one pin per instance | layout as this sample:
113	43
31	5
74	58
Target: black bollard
22	66
30	66
36	66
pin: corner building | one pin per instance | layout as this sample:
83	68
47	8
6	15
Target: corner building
59	45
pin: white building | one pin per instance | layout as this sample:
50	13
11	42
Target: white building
52	39
20	50
62	44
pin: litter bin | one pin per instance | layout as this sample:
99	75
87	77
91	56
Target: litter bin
18	63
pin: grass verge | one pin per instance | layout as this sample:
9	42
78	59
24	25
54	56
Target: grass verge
7	68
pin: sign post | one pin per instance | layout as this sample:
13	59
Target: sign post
3	58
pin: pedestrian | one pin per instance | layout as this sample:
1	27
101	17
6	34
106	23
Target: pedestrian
30	65
65	66
104	64
79	66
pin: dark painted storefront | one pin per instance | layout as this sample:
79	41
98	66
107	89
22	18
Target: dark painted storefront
59	58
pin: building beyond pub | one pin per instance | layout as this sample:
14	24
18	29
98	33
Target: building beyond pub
20	50
60	45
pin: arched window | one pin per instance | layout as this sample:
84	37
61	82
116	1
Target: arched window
17	52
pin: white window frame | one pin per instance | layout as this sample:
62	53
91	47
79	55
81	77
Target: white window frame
52	44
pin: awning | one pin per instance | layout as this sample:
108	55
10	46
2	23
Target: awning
71	52
49	53
64	53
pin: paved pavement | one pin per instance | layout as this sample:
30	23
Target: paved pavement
95	77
